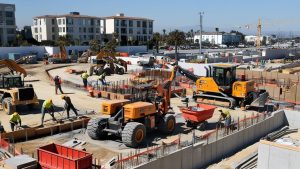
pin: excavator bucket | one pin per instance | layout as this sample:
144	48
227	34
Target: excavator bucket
260	101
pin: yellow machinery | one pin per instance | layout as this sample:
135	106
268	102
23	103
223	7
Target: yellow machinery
220	87
111	107
12	89
133	120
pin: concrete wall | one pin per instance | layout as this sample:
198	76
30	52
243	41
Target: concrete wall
275	156
132	49
201	155
40	50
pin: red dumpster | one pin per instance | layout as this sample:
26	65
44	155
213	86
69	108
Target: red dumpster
54	156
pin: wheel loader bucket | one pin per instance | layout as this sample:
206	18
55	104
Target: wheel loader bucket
260	101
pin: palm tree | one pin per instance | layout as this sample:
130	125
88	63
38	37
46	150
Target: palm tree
156	39
192	34
164	31
176	38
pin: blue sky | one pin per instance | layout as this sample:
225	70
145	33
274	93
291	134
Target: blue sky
277	15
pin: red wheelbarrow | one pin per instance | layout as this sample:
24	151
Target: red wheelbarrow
196	116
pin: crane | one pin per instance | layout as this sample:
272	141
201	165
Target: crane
258	34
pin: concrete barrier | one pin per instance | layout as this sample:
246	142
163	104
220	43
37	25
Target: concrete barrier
201	155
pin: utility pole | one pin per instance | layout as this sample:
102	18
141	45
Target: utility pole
200	39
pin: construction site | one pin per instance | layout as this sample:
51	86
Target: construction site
159	113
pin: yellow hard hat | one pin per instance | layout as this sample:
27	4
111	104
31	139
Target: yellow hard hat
62	96
50	100
15	113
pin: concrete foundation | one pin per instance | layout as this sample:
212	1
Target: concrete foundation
201	155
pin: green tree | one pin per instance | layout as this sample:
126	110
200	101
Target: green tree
94	46
112	44
176	38
156	39
65	41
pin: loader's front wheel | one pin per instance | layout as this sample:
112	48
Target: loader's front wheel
133	134
95	128
167	124
7	105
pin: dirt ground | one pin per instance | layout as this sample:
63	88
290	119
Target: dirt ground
105	149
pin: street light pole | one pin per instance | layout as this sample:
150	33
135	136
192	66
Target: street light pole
200	39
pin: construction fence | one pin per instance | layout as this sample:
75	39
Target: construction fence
281	87
138	158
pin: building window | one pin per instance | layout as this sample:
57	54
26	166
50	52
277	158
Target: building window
60	29
64	21
53	37
35	22
41	37
123	30
138	23
59	21
130	31
97	30
69	21
64	29
84	37
98	23
36	37
117	22
150	24
80	21
91	37
117	30
79	30
123	23
138	32
53	21
53	29
70	29
40	29
150	31
145	38
40	21
10	31
10	22
9	14
130	23
36	30
91	30
84	30
144	31
92	22
144	24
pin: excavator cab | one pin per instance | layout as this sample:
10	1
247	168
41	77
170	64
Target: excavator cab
224	76
11	81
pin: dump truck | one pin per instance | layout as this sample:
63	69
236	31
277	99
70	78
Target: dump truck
13	92
132	120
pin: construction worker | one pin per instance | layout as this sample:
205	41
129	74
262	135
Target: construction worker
14	120
226	117
57	82
1	128
84	77
47	106
69	105
102	78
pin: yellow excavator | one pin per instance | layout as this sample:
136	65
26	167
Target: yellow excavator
130	121
13	92
220	87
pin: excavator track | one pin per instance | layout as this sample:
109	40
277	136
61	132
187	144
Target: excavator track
223	101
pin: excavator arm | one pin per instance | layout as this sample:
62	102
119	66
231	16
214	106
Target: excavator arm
188	74
13	66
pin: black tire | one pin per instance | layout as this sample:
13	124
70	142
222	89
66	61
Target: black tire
7	106
167	124
95	128
121	71
133	134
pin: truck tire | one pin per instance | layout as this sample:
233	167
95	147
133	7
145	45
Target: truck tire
121	71
7	105
133	134
95	128
167	124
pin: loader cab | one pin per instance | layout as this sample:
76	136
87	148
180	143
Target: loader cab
11	81
224	74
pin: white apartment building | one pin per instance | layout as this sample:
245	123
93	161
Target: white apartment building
131	30
79	27
7	24
252	39
218	38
